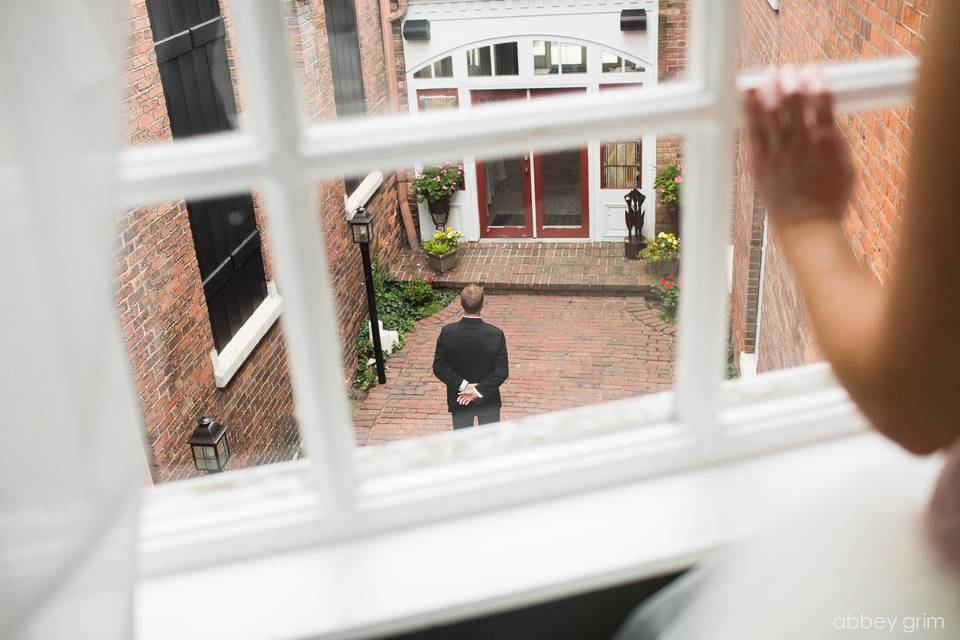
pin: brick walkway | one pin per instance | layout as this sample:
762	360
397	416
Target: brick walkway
564	350
534	266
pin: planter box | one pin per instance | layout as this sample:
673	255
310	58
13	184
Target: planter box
445	262
664	268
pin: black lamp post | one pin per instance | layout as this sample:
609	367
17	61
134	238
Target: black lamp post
360	225
209	445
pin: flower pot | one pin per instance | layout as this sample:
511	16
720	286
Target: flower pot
631	250
439	212
445	262
664	268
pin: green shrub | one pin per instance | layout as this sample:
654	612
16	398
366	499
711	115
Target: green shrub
417	293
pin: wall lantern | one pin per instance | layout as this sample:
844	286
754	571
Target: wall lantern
211	451
633	20
416	30
360	226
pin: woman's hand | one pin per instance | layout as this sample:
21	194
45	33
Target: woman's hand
800	160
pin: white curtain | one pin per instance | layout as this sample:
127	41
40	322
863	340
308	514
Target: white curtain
71	458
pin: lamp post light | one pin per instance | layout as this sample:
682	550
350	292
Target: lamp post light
209	445
360	225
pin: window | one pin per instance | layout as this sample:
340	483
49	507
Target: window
478	62
550	57
356	493
505	58
344	45
501	61
612	63
224	229
442	68
621	165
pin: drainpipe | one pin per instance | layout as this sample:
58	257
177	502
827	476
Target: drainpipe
387	18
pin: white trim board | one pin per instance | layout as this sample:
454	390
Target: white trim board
486	563
226	363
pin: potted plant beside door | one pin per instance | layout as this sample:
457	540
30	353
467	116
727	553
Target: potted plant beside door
436	186
442	249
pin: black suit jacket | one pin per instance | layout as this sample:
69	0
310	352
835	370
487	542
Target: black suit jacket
474	351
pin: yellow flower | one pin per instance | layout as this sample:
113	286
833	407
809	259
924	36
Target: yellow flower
449	229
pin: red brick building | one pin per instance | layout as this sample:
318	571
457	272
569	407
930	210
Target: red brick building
159	291
769	325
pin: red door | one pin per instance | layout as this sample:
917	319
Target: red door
561	187
503	184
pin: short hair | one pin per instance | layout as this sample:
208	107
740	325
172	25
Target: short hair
471	298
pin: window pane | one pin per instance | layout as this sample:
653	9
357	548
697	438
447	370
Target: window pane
611	63
478	62
632	66
443	68
193	282
620	341
426	72
574	58
506	59
770	328
545	56
803	32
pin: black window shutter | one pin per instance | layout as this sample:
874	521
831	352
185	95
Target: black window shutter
344	46
342	41
189	40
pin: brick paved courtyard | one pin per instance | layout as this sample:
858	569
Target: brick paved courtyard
565	351
534	266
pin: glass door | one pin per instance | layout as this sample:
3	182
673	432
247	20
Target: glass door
503	184
561	187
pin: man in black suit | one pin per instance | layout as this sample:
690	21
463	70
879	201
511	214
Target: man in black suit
471	359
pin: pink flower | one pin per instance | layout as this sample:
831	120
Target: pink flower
437	179
660	189
681	167
678	179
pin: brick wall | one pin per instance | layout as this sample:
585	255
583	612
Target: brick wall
824	30
671	65
308	37
158	291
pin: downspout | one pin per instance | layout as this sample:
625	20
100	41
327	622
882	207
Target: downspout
387	18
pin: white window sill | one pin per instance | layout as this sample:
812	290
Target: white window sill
364	191
227	362
484	563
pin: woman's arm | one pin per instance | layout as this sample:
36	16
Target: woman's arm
896	349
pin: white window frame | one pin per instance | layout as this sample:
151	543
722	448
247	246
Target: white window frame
339	491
